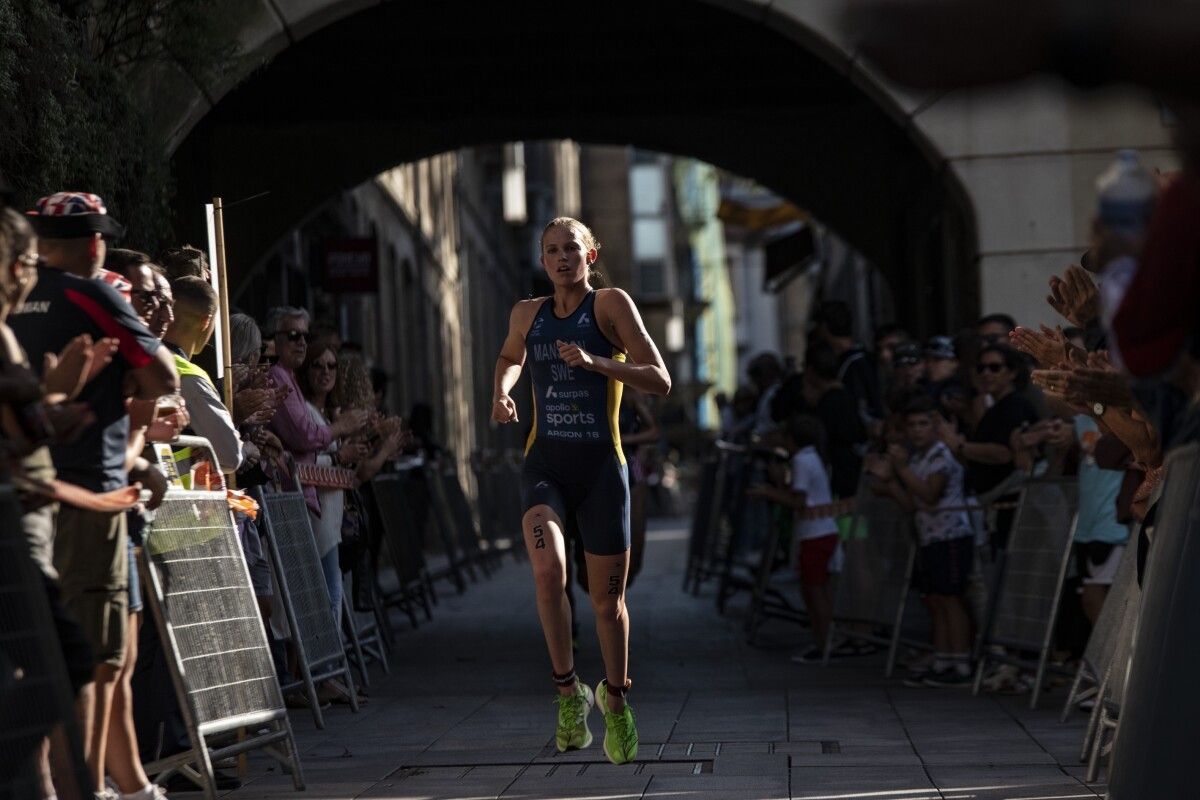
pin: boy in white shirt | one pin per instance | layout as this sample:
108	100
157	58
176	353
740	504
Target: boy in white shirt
809	494
930	482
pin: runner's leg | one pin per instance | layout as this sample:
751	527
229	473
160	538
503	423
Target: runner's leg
547	556
606	581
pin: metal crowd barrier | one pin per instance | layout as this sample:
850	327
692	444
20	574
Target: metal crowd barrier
364	639
404	543
1033	568
35	692
707	521
766	601
1110	695
497	477
429	513
872	591
197	586
1098	653
454	511
1154	755
300	587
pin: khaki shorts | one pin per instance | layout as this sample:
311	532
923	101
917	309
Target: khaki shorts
92	558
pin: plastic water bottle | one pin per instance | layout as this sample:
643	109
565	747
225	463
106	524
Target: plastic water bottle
1127	193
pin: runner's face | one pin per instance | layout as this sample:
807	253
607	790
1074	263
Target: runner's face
565	256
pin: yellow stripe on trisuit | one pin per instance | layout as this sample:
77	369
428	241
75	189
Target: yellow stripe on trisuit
615	390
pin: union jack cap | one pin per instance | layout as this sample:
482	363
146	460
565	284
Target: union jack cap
73	215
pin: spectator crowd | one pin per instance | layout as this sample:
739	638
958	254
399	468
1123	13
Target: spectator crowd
948	426
99	365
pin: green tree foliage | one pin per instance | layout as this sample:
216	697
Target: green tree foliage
68	119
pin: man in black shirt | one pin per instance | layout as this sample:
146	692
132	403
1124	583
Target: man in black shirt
987	452
90	548
856	369
846	438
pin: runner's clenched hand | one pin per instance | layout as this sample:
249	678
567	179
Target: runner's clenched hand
504	410
574	355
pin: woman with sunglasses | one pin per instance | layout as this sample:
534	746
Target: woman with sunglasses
986	451
300	433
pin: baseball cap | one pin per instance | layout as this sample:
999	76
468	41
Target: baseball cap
940	347
907	353
73	215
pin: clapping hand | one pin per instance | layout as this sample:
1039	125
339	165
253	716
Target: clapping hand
254	406
1075	296
65	374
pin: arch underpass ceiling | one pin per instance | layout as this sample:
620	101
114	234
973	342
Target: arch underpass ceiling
399	81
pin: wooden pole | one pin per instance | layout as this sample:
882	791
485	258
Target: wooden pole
223	310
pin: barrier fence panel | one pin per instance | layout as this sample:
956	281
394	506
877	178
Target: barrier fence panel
705	521
767	602
35	692
199	592
300	585
430	514
1032	573
1154	755
1097	654
1110	695
742	524
448	491
871	594
404	544
499	504
363	639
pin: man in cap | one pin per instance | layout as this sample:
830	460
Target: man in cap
941	366
90	549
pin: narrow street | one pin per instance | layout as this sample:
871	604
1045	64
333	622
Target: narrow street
467	713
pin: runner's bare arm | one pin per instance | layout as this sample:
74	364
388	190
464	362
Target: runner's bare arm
512	360
620	321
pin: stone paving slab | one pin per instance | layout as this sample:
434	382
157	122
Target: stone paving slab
468	713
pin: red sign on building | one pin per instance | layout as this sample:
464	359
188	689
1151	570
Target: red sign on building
351	265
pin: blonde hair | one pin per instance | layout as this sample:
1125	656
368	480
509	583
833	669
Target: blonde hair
353	388
584	233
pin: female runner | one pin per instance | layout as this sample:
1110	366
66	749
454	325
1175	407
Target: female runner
583	345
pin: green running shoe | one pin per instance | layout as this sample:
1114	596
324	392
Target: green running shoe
620	734
573	732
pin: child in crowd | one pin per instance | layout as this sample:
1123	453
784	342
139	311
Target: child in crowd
930	482
809	495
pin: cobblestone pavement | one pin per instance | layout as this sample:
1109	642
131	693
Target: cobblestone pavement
467	712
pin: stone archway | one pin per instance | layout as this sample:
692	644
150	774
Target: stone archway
966	201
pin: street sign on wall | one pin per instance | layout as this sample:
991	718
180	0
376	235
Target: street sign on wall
350	265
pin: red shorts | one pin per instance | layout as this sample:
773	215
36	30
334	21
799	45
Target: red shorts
814	559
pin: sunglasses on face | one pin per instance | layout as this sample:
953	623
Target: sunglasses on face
296	336
323	367
147	296
992	367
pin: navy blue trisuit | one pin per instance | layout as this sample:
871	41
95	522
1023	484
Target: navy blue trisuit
573	459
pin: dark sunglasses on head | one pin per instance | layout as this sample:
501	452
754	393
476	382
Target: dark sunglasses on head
295	336
991	367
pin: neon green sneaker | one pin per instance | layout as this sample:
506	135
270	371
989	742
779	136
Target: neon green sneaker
573	732
620	730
